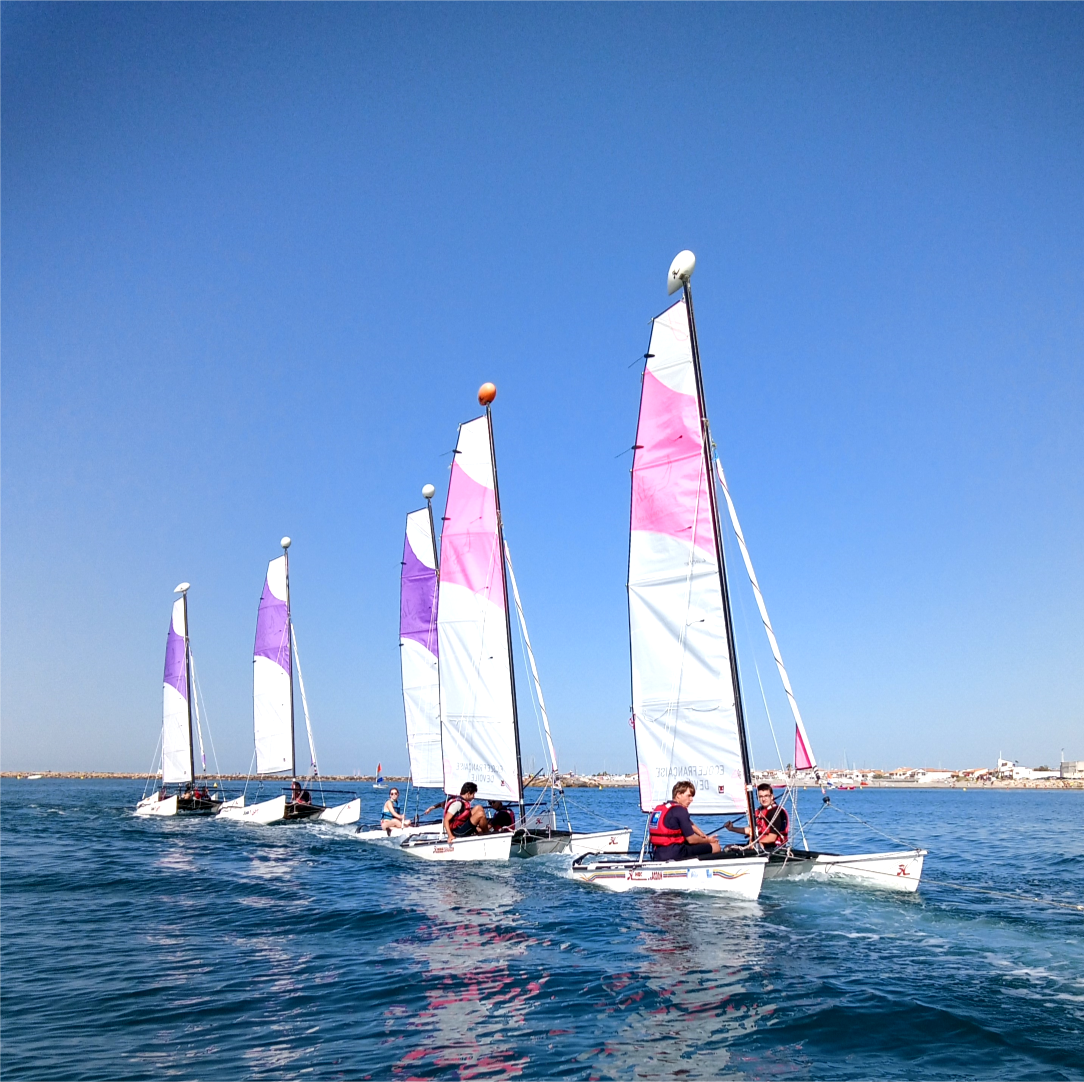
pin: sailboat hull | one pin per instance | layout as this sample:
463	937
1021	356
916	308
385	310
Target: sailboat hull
475	847
535	842
397	834
151	805
740	877
267	811
899	871
342	814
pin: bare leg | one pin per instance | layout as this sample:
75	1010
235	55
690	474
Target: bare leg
479	820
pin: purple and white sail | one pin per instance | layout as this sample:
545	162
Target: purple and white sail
684	709
478	722
176	720
272	676
418	651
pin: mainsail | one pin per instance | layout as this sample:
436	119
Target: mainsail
477	695
418	650
272	675
176	719
684	689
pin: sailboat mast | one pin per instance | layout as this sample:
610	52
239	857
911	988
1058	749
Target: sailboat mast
285	542
720	558
189	688
507	614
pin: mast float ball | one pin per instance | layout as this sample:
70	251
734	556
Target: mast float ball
486	393
681	270
428	492
183	588
285	542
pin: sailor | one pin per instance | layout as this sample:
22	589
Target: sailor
461	818
674	836
772	823
295	792
502	818
391	817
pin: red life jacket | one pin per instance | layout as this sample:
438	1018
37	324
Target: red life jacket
658	832
463	815
504	819
768	824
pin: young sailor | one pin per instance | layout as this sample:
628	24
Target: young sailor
391	817
772	823
673	835
502	818
461	818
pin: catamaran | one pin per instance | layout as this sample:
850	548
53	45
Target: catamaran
686	703
475	700
274	655
418	662
178	755
688	714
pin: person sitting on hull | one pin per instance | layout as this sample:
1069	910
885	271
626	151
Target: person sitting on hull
772	823
391	815
502	818
461	817
673	835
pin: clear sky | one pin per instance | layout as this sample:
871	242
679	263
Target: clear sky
258	258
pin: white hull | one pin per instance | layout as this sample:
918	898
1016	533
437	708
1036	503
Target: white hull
431	846
397	833
151	805
901	871
268	811
342	814
740	877
601	841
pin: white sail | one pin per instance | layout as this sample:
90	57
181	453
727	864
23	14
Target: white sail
476	697
272	676
418	651
684	710
176	721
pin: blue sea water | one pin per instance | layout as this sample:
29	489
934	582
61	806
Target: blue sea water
193	949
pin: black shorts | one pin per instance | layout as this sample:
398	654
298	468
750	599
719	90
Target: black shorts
465	831
685	851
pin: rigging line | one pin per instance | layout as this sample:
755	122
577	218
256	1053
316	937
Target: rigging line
590	811
200	697
305	707
526	643
793	702
154	758
843	811
756	669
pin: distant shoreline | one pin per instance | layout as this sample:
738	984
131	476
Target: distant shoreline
579	782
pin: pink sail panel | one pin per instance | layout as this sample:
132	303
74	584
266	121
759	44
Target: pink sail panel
803	758
478	730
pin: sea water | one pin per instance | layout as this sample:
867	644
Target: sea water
195	949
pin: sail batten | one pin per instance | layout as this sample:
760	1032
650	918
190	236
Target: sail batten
685	713
418	643
476	693
176	719
272	676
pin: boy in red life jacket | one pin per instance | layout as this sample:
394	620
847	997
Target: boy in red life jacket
461	817
674	836
772	823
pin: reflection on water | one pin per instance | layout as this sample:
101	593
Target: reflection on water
476	998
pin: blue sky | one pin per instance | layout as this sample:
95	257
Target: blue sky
257	260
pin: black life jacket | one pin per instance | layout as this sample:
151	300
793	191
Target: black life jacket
463	815
503	819
658	832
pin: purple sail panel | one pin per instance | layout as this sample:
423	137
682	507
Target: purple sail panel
174	675
272	622
418	593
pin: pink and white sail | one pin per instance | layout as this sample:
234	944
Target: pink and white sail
476	697
176	721
684	711
272	676
418	651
